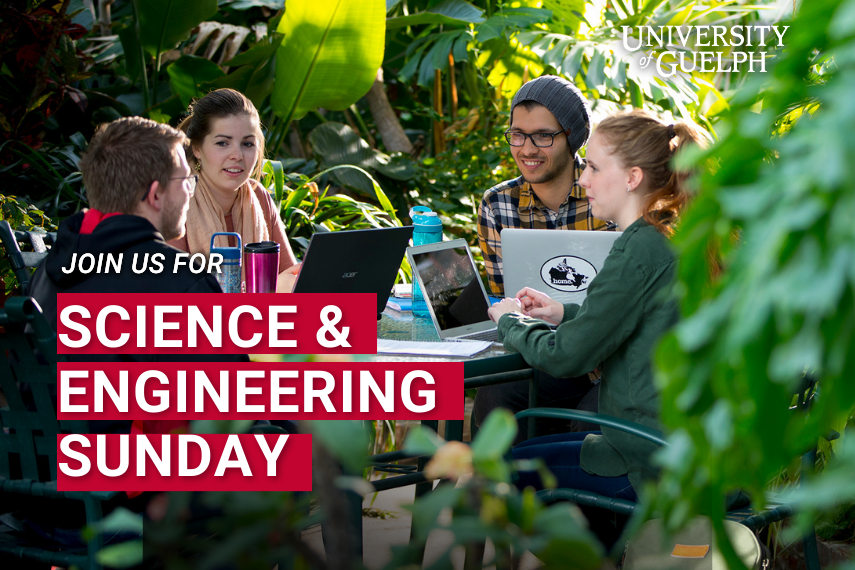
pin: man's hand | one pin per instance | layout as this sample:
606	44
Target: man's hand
503	307
540	306
286	280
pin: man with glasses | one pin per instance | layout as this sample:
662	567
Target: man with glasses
550	122
139	185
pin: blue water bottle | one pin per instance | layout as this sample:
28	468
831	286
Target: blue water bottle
229	276
427	229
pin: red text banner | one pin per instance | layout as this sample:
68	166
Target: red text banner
268	390
184	462
214	323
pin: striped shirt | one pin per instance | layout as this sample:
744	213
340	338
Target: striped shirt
513	204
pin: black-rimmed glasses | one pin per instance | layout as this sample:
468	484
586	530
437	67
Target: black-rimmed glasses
540	140
192	180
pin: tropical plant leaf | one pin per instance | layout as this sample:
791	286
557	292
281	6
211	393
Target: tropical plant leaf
495	437
274	175
337	144
510	21
134	61
346	440
123	555
508	70
188	73
261	83
573	13
330	54
448	12
165	23
260	52
238	80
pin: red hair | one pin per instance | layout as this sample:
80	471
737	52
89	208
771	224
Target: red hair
640	139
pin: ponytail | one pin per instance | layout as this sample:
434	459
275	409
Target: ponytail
640	139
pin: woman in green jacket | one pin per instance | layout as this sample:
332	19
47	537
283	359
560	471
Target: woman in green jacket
628	179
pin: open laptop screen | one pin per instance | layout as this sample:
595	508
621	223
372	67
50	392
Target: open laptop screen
451	286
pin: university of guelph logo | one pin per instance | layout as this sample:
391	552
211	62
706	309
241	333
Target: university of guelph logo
567	273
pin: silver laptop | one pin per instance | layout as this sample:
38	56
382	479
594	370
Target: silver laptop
561	263
453	290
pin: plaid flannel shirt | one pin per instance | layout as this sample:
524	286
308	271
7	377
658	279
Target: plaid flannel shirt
512	204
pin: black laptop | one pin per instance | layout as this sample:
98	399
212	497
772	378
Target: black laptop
356	261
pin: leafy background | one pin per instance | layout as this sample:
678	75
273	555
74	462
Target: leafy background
426	130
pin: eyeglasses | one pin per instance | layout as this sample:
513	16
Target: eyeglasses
192	180
540	140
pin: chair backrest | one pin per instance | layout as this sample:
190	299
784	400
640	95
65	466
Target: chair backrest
23	262
28	425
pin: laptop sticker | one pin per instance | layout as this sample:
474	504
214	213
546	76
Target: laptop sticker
568	273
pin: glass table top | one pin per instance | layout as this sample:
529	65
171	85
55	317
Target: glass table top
396	325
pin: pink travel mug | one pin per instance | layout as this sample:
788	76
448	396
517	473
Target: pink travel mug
261	260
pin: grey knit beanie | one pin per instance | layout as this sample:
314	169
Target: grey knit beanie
564	101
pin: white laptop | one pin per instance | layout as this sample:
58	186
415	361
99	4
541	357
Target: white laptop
561	263
453	290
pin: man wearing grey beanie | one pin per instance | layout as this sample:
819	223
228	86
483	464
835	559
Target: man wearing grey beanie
550	122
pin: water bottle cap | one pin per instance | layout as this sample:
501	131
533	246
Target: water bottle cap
427	223
227	252
418	210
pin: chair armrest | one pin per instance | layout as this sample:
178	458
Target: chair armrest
48	489
633	428
268	429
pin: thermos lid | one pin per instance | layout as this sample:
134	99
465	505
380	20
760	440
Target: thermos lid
261	247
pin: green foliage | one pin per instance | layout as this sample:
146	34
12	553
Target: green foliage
345	440
253	529
329	57
21	215
337	144
779	211
125	554
165	23
486	506
454	181
189	73
36	82
48	177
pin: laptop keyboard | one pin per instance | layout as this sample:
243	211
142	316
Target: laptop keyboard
492	335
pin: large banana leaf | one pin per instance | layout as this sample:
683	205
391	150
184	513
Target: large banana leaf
339	144
188	73
330	54
164	23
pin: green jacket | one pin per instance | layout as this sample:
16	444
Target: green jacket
626	312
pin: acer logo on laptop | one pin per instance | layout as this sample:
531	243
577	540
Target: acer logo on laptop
348	275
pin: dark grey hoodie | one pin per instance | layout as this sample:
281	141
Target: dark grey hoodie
118	234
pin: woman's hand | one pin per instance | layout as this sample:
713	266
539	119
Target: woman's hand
287	279
540	306
504	307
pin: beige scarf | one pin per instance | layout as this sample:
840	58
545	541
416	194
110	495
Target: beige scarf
205	217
